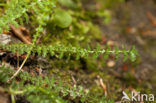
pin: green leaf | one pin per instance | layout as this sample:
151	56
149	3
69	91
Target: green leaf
61	55
62	18
117	53
98	48
44	51
51	51
125	54
133	53
39	50
106	55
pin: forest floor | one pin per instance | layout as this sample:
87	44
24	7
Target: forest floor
133	23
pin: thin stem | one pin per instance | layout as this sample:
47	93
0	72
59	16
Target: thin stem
34	41
21	65
13	98
15	92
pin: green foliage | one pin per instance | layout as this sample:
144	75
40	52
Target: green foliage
16	10
20	8
39	89
5	73
62	18
133	54
60	50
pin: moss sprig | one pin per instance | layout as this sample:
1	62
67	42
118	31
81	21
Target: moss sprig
37	89
60	51
20	8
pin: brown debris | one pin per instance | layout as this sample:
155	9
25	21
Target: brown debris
149	33
152	18
73	79
22	33
111	63
102	84
39	71
131	30
114	73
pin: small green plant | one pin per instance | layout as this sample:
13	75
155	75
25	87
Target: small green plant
17	8
42	12
60	50
39	89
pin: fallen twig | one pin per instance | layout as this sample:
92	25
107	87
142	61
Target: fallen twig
152	18
149	33
103	85
21	65
18	32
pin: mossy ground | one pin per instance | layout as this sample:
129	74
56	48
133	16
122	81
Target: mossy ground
86	72
116	23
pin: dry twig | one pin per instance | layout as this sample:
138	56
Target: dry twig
19	32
